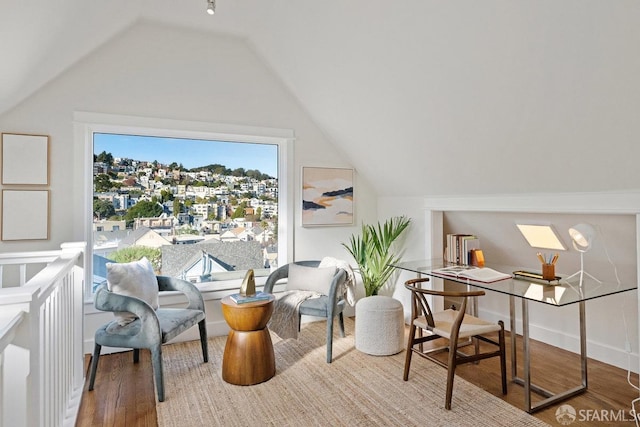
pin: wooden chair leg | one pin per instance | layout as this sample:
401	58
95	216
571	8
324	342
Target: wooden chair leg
341	320
407	359
451	373
94	365
136	355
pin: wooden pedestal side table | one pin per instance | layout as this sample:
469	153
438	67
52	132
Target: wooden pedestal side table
248	355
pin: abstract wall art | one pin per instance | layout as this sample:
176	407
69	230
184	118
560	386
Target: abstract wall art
327	196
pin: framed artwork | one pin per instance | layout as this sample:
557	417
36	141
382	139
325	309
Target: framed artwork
25	215
327	196
25	159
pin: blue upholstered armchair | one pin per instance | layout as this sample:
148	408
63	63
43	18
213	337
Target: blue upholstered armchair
152	328
327	306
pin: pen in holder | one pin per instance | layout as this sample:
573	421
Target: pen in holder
548	271
548	266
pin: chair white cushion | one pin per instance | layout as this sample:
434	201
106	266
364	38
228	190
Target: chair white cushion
310	278
470	325
135	279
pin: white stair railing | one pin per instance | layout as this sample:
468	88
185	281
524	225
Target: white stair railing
41	354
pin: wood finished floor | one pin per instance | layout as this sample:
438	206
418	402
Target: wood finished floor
124	393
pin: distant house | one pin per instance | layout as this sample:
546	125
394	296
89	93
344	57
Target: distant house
107	225
270	255
233	235
105	242
144	236
162	224
198	262
201	268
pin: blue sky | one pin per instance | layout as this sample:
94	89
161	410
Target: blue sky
190	152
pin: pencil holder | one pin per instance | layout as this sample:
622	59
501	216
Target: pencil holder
548	271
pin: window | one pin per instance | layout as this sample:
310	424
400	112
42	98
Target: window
196	207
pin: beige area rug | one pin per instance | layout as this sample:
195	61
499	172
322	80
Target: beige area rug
355	390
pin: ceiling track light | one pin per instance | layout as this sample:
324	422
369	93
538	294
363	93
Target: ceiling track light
211	7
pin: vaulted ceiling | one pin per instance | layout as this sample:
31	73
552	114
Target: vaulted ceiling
501	92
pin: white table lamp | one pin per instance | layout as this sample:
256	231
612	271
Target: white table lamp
582	236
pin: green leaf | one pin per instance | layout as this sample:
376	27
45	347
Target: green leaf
373	251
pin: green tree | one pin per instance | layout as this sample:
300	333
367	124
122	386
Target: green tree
177	207
239	212
102	183
166	195
275	228
135	253
105	157
103	209
142	209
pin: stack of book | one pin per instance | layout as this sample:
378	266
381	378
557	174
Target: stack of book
259	296
459	247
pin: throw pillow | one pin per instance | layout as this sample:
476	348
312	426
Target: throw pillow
135	279
310	278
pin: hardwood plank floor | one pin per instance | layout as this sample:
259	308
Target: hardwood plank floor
124	392
123	395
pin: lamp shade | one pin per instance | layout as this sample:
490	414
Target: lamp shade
582	236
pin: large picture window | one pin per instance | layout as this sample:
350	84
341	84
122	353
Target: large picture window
202	206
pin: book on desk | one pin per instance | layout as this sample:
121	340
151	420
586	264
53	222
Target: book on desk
479	274
259	296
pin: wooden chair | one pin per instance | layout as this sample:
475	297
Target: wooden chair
452	325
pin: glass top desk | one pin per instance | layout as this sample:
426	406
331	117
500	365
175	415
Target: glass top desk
555	293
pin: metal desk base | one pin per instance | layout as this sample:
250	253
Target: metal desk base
551	398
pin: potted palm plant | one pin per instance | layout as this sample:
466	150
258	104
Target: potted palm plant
373	251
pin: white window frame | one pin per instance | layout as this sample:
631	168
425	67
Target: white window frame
86	124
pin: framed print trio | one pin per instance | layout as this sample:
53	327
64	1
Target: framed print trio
327	196
25	168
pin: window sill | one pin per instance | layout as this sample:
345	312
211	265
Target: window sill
209	290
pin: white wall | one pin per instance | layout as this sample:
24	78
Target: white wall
171	73
165	72
517	96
